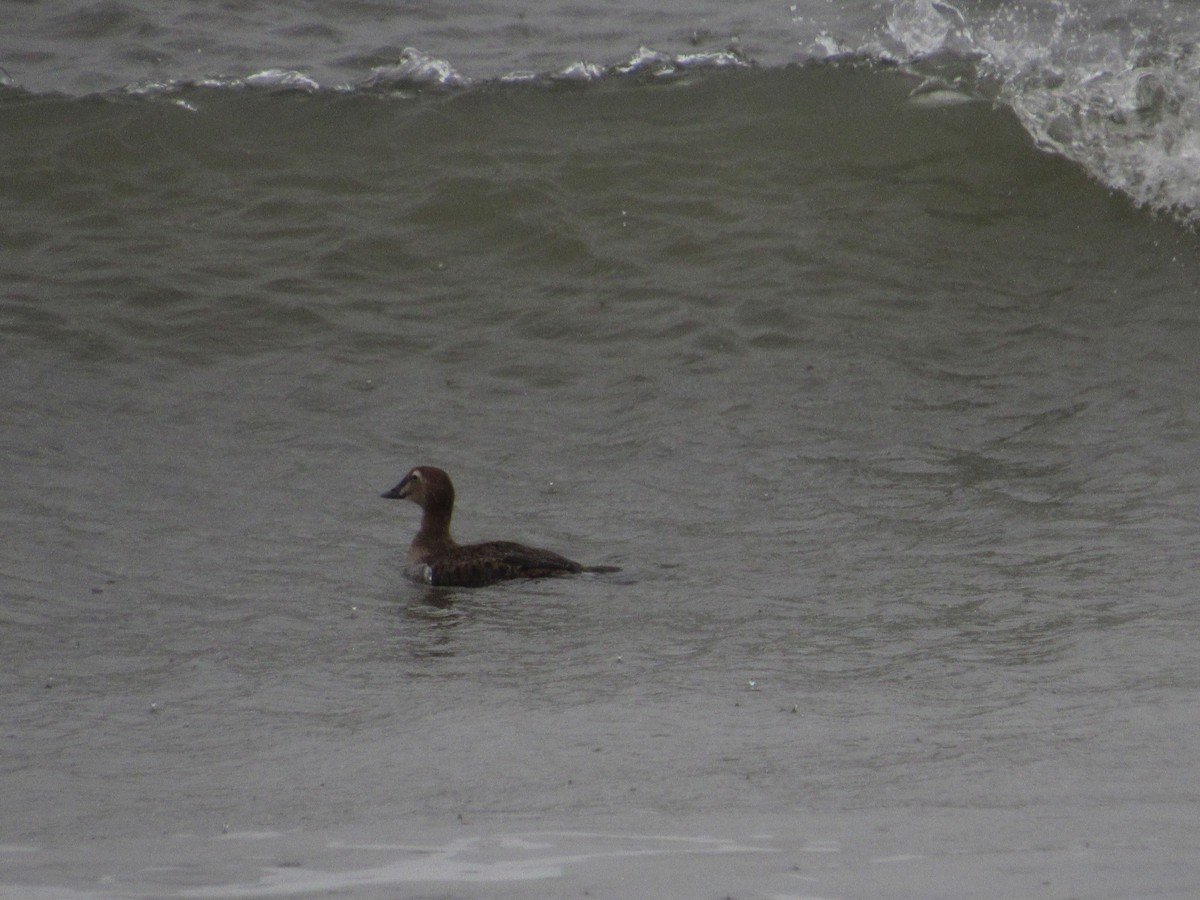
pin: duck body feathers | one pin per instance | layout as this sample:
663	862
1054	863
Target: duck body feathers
473	565
434	558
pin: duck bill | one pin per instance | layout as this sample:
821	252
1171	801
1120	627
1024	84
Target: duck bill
396	493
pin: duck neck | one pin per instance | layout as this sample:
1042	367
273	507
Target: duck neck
435	527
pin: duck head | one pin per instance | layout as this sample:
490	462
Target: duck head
426	486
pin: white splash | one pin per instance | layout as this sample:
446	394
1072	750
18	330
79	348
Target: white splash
1120	95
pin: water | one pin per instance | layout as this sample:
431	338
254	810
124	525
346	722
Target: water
860	336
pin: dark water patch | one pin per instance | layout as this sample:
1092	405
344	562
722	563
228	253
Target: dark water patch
100	21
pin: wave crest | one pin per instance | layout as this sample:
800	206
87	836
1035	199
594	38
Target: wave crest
1118	95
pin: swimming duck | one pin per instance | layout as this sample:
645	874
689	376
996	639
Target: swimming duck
434	558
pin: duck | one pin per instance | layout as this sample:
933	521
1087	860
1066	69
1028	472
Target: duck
435	558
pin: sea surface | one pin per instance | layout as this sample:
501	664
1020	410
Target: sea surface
861	336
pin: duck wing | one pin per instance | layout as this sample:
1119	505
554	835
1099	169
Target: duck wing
473	565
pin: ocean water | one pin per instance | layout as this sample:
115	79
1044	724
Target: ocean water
860	336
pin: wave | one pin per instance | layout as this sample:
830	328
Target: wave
415	71
1118	95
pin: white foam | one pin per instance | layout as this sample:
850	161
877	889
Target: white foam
510	858
1122	100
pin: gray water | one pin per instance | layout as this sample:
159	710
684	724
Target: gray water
886	412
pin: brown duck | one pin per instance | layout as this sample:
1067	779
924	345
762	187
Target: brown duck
434	558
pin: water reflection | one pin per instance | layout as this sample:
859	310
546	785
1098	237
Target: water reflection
434	621
431	598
